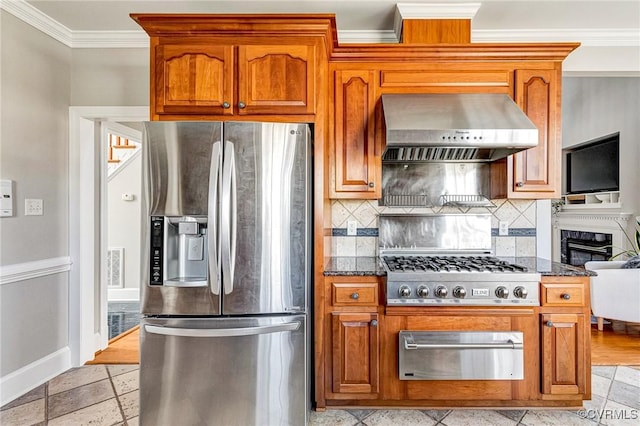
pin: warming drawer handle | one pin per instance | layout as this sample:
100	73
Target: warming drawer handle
510	344
221	332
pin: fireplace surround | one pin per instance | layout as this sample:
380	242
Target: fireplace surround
596	230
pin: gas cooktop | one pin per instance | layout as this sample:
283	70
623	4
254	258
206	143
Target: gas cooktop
419	280
450	264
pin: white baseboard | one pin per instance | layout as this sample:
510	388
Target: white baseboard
21	381
123	294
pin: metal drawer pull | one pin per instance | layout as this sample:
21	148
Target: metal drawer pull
221	332
510	344
549	324
355	296
566	296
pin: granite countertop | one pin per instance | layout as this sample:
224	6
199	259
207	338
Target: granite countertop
354	266
371	266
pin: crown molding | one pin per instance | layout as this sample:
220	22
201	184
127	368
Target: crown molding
139	39
109	39
609	37
32	16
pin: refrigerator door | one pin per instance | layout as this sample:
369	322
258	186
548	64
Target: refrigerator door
265	218
182	164
224	371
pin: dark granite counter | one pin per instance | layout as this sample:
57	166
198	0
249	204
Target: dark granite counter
354	266
548	267
363	266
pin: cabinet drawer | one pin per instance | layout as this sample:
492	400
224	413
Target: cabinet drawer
562	294
354	294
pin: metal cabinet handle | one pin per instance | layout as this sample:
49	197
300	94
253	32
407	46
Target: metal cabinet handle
371	185
566	296
519	184
509	344
549	324
242	105
355	296
226	105
374	323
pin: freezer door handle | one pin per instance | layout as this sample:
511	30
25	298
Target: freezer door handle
229	217
212	223
221	332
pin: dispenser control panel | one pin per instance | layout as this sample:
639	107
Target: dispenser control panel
157	235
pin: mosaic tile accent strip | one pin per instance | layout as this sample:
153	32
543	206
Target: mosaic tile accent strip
515	232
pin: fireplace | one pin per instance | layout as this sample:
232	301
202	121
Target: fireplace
579	247
580	237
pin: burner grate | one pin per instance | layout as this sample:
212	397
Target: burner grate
450	264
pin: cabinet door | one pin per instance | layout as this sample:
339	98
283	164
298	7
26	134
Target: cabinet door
277	79
563	354
355	352
535	172
193	79
356	165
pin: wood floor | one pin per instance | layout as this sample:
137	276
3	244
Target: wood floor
608	347
122	349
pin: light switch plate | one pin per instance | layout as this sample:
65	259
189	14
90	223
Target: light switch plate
33	207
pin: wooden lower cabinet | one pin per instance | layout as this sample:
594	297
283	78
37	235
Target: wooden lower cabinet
361	348
563	354
354	353
565	338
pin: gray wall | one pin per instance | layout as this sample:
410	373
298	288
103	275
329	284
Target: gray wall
598	106
124	218
34	133
110	77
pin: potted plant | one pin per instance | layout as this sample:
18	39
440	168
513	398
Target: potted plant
615	291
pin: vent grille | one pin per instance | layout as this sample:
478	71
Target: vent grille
437	154
115	264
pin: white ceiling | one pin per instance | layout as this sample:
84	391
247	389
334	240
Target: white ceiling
360	15
608	30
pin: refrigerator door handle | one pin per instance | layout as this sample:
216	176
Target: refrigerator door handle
221	332
229	217
212	218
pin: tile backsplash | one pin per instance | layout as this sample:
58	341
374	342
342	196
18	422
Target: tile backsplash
519	214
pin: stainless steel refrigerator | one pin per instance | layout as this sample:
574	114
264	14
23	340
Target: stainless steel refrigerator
227	266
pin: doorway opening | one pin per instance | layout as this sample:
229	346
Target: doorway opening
121	189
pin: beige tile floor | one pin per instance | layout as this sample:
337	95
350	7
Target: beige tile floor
108	395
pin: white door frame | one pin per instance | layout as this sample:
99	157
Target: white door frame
84	223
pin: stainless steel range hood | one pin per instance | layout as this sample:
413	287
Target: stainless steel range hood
454	127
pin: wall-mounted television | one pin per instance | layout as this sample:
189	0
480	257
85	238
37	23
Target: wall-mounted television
594	166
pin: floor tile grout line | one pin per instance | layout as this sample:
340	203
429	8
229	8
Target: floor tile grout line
46	403
115	392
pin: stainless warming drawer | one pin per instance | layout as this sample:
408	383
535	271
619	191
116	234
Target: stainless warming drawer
468	355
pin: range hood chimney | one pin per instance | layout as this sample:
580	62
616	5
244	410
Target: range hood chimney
454	127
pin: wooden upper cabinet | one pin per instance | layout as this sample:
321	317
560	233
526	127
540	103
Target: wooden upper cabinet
276	79
193	79
356	157
535	173
201	79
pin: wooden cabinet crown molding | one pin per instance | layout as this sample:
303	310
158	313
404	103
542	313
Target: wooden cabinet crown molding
160	24
382	53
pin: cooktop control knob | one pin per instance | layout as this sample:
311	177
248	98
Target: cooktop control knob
520	292
502	292
441	291
459	292
404	291
423	291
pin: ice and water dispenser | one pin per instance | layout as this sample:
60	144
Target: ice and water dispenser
179	255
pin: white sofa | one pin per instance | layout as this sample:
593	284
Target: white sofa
615	292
